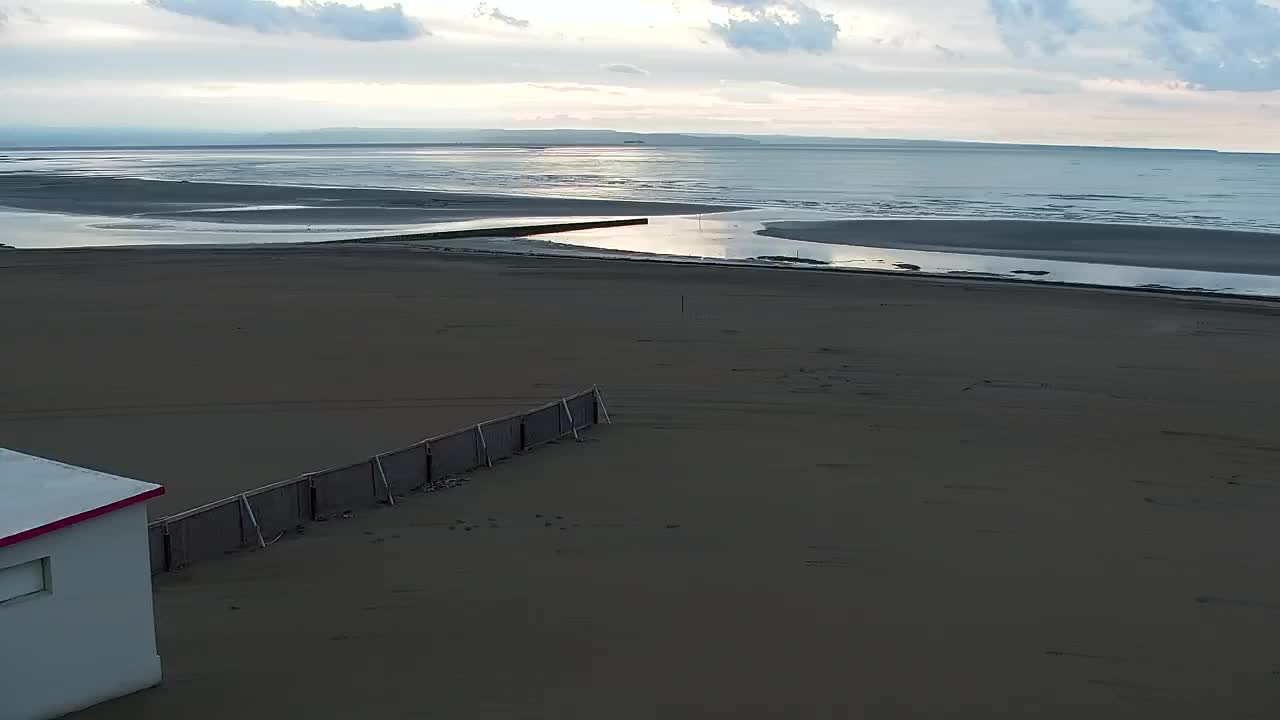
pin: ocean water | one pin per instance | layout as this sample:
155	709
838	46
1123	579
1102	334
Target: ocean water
890	180
1188	188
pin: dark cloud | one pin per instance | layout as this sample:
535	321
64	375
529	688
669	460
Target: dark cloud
776	26
483	10
1217	44
312	17
624	68
1042	25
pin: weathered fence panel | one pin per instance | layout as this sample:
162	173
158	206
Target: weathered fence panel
209	533
502	437
542	426
156	541
582	408
345	488
405	469
455	453
281	507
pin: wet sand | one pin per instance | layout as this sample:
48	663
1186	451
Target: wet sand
266	204
1134	245
824	495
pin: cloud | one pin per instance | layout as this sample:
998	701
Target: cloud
624	68
1217	44
1038	24
746	93
505	18
31	15
565	87
948	53
312	17
483	10
776	26
22	14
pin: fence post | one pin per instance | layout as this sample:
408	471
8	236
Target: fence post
484	447
599	406
427	447
377	463
573	425
168	549
524	441
244	500
315	505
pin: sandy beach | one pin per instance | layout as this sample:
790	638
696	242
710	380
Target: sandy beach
824	494
1177	248
264	204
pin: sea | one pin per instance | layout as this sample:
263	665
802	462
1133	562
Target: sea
1164	187
1229	191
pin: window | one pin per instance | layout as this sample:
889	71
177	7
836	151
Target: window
19	581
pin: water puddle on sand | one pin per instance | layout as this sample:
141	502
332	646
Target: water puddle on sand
732	236
32	230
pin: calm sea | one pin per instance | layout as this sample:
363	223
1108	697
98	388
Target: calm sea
1203	189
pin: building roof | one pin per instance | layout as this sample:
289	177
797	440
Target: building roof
38	496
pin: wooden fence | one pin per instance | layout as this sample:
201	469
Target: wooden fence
259	517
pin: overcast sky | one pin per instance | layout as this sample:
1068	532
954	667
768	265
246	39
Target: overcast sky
1188	73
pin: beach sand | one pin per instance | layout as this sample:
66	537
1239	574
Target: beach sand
1153	246
824	495
295	205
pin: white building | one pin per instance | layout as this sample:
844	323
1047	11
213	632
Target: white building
76	619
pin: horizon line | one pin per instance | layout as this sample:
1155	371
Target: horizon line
754	138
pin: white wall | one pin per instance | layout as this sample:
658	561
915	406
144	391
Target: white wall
92	636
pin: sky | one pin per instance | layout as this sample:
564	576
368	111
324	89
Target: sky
1151	73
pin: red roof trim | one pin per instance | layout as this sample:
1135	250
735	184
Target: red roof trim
80	517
